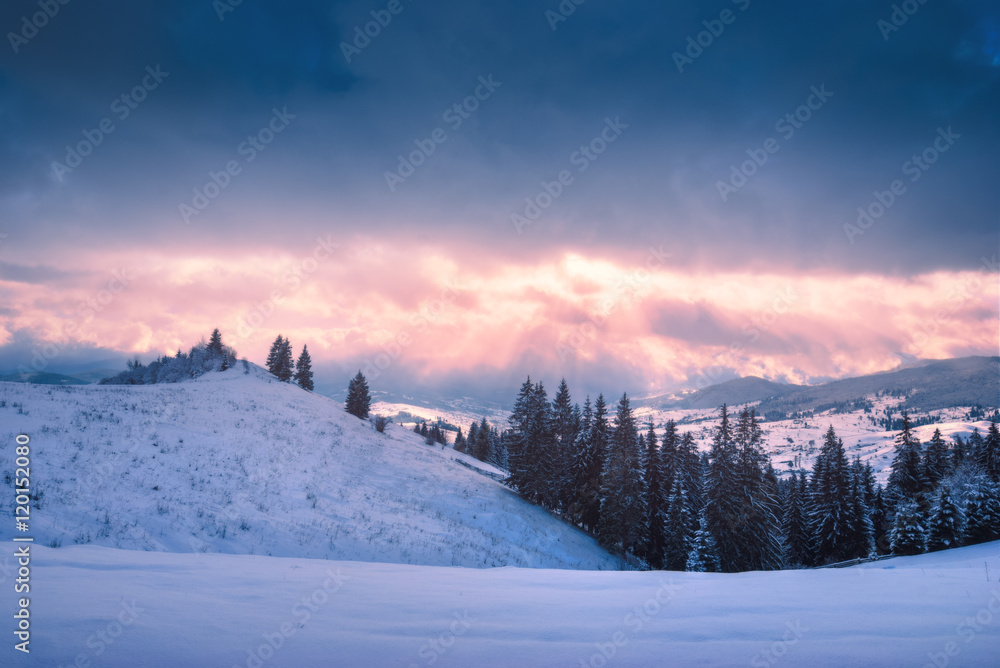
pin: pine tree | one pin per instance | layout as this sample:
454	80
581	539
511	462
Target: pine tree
829	503
274	354
678	535
982	513
358	400
936	460
215	343
723	498
861	532
481	449
623	512
656	501
556	469
908	532
473	438
703	557
759	530
907	476
794	523
522	455
303	370
945	528
988	456
688	466
459	444
590	466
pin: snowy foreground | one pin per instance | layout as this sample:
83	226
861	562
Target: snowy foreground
105	607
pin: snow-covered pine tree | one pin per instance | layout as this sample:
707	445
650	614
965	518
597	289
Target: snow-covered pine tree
909	536
592	470
678	534
907	477
829	503
936	460
459	444
358	400
703	557
556	468
522	458
759	543
982	512
945	528
688	465
797	544
723	500
657	496
861	542
988	456
303	370
623	513
482	447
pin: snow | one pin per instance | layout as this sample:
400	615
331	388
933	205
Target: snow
219	610
241	464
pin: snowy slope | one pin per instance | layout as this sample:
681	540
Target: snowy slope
241	464
132	609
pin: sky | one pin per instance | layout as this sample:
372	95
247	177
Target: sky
636	196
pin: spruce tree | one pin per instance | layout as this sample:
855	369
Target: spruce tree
656	500
794	523
861	532
988	456
936	459
303	370
481	450
908	533
829	503
759	530
678	534
723	498
358	400
592	467
907	477
982	513
703	557
623	512
459	444
215	343
558	460
274	354
945	528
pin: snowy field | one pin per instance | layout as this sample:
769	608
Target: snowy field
241	464
95	606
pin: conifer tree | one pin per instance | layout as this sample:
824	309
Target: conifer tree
358	400
945	528
794	523
623	512
982	513
861	532
303	370
459	444
656	500
988	456
558	456
678	534
703	557
274	354
829	503
936	460
481	450
907	476
591	467
723	500
759	530
908	533
215	343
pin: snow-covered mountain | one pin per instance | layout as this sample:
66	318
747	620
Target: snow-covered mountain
239	463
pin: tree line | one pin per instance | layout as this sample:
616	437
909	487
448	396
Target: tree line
651	497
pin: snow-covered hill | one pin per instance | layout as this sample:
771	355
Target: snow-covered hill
239	463
94	606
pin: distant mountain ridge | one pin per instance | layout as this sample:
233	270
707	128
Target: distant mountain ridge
931	385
